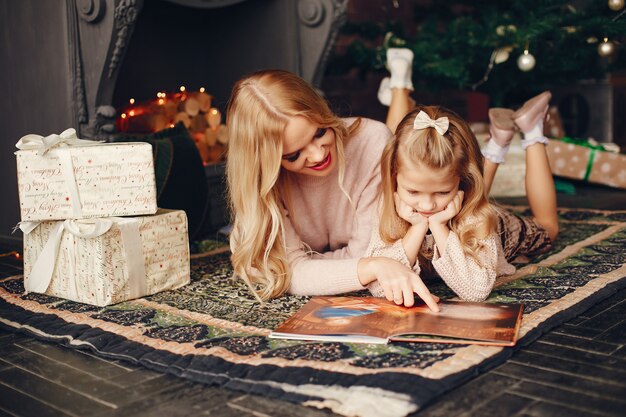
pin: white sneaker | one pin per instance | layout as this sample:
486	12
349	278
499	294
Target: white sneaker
400	65
384	92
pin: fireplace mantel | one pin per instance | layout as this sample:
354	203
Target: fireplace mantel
100	32
65	61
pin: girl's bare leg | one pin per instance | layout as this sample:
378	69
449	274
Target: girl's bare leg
400	64
401	104
489	173
540	189
501	130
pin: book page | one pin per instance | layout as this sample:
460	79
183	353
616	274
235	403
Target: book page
338	318
486	322
343	316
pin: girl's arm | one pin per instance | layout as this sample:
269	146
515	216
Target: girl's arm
438	222
471	279
414	237
386	271
412	241
398	283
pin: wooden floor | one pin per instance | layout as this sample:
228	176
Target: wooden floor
577	369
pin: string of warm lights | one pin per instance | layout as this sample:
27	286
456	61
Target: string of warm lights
192	108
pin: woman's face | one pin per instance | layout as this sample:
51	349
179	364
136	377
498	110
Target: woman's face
308	149
426	190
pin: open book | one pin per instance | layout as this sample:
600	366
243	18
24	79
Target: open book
376	320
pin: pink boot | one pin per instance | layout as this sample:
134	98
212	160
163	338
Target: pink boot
501	126
501	130
529	119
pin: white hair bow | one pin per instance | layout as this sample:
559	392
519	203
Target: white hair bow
422	121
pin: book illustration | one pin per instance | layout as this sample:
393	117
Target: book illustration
376	320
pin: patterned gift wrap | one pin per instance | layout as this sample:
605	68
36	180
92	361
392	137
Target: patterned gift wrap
74	179
581	160
131	258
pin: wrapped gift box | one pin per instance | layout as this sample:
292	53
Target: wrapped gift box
109	260
73	179
582	160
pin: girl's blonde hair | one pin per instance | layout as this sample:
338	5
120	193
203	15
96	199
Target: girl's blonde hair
259	109
457	149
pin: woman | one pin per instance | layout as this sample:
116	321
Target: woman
303	187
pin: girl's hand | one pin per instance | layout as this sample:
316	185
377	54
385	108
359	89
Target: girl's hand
398	282
451	210
407	212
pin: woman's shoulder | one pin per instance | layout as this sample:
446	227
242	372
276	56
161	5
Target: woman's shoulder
369	128
370	138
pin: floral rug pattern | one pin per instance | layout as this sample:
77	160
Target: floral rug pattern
215	317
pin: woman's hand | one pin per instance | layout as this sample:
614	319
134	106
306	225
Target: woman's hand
407	213
451	210
397	281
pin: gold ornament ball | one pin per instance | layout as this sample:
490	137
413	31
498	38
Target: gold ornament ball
606	48
526	62
616	5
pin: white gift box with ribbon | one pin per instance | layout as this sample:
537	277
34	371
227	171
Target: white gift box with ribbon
108	260
63	177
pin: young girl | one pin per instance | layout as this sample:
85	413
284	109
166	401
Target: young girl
303	187
434	205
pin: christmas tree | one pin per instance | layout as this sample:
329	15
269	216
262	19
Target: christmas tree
503	48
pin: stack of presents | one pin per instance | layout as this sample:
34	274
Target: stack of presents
92	230
571	158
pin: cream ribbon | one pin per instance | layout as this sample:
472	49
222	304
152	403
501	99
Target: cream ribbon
60	143
422	121
45	265
43	144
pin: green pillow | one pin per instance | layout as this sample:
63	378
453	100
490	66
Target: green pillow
180	176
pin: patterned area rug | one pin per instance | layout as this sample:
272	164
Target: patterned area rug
213	331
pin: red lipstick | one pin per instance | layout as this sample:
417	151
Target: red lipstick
322	165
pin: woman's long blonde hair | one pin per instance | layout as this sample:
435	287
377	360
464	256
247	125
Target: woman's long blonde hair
458	150
259	109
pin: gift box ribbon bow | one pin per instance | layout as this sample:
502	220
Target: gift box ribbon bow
43	144
43	269
65	140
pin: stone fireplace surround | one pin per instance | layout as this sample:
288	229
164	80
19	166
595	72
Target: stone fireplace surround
151	45
90	56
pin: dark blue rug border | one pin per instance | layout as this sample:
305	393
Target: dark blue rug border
249	378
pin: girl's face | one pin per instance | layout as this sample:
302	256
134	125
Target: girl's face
308	149
425	189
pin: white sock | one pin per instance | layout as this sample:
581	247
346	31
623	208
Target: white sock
384	92
534	135
494	152
400	65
